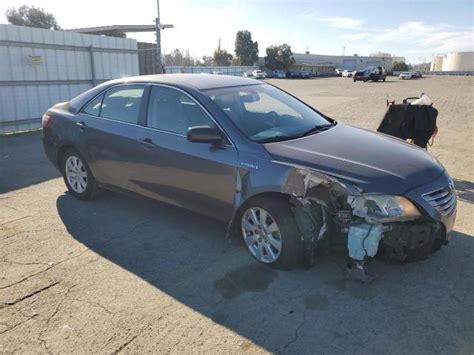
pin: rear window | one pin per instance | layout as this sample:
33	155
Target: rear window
93	108
120	103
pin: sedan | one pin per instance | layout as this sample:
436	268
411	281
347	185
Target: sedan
406	75
286	179
347	74
259	74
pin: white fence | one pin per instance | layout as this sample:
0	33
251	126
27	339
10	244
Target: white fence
39	68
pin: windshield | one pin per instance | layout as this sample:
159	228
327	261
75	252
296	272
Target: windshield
264	113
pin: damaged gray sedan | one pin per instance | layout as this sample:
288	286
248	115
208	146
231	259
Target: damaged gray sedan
286	178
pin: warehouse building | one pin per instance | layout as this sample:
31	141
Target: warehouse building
455	63
40	67
322	65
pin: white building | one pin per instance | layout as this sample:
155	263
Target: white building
325	64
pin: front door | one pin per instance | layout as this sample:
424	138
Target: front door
197	176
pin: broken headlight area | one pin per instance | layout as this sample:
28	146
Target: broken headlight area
383	208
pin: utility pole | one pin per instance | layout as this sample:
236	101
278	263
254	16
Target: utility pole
159	27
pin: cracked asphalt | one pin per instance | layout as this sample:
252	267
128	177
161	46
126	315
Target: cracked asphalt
125	275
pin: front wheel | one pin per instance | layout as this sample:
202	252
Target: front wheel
78	176
270	232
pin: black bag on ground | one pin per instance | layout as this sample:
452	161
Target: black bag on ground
405	121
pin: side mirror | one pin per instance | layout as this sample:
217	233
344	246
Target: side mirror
204	134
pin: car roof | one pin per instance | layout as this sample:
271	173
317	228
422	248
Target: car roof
195	81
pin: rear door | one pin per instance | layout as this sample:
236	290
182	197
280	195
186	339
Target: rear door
198	176
108	132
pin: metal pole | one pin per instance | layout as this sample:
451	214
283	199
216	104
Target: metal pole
93	75
158	39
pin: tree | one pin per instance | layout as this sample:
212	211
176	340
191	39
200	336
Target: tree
207	61
31	17
246	50
279	57
176	58
399	66
221	57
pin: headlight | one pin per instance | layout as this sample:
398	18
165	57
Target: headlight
383	208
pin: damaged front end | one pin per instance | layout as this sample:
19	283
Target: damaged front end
330	212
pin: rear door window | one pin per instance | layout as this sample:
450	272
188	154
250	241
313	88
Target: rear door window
122	103
173	111
93	108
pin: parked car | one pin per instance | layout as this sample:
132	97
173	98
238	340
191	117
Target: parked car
293	74
417	74
259	74
286	178
305	74
217	72
247	74
347	74
279	74
406	75
370	73
338	72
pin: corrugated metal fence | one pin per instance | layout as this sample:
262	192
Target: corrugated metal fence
230	70
41	67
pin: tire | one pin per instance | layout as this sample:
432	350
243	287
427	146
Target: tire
74	164
278	209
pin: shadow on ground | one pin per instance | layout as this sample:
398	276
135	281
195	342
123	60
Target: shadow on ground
23	162
423	307
465	190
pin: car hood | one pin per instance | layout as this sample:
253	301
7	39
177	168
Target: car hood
375	162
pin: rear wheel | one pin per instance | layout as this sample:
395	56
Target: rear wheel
270	232
77	175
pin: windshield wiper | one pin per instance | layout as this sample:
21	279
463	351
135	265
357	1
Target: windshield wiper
277	138
318	128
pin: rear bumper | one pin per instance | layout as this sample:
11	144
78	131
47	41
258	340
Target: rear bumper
50	146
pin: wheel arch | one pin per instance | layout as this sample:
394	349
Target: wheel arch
63	148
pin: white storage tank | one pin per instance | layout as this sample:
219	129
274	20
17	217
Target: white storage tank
437	63
459	61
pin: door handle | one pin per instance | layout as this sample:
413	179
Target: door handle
147	143
81	125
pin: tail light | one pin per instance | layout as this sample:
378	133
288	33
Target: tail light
46	121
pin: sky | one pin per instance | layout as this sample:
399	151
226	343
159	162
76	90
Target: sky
415	29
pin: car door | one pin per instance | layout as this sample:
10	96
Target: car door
197	176
108	132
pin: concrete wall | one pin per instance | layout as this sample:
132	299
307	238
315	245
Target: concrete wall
39	68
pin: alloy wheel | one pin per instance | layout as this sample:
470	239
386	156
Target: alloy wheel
261	234
76	174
